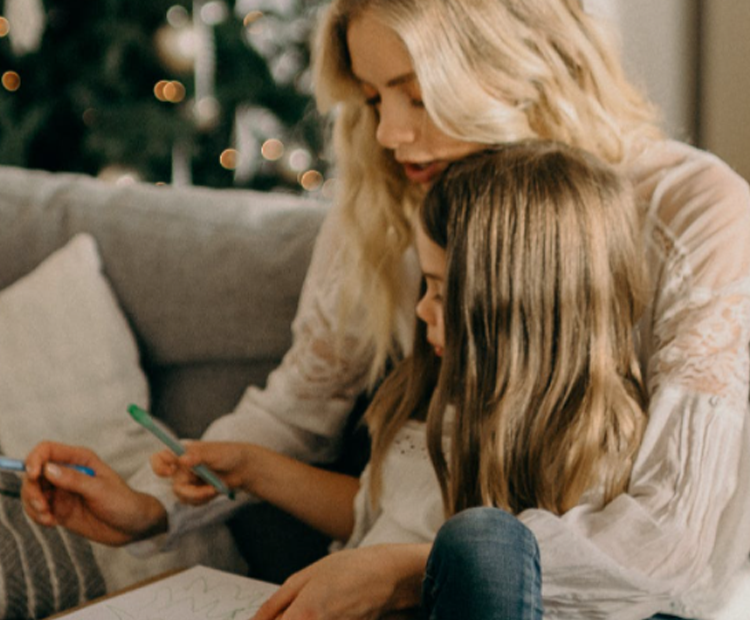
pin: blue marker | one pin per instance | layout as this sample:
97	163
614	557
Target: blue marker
147	422
19	466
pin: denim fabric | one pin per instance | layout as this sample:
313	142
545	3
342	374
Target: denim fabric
484	565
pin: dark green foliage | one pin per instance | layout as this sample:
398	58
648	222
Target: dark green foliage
87	99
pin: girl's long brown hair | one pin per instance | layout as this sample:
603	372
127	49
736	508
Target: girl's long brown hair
544	285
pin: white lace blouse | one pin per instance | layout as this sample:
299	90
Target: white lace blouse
681	531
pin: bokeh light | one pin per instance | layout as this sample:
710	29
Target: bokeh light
159	89
229	159
174	91
299	160
329	189
178	16
11	81
4	27
251	18
272	149
311	180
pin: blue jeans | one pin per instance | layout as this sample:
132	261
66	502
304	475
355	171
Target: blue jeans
485	565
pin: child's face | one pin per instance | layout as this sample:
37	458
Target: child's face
430	307
383	66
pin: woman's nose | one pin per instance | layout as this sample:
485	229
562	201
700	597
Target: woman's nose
395	127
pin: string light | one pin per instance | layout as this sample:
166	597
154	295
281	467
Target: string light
213	13
272	149
159	90
177	16
11	81
311	180
329	189
299	160
4	27
251	18
229	159
172	91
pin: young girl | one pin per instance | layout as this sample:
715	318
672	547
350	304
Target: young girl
416	85
533	282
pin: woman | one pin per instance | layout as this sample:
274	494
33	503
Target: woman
415	85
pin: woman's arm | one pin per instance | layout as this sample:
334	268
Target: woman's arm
677	534
356	584
304	406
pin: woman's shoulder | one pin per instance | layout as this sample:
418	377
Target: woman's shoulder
698	211
672	177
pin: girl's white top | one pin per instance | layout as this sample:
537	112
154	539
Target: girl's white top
681	532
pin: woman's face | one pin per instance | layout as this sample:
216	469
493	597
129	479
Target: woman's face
383	67
432	259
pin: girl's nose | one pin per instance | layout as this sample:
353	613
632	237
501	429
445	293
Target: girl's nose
423	310
396	127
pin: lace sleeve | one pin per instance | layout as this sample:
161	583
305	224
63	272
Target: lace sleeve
701	309
676	536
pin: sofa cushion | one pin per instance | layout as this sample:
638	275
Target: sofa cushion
68	362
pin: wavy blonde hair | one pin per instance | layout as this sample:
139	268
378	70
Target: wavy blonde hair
545	283
490	71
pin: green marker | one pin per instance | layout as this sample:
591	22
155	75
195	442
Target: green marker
147	422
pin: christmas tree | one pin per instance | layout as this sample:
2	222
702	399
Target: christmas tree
207	92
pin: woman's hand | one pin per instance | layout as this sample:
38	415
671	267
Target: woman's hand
231	461
361	584
102	508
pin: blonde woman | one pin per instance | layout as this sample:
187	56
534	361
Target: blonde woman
414	85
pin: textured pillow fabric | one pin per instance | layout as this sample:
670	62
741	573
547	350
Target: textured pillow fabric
69	364
43	570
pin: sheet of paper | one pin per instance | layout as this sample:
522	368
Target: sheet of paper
198	593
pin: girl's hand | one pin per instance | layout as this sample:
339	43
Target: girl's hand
231	461
361	584
102	508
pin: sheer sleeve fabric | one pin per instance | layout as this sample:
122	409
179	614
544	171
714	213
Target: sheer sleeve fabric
675	537
304	406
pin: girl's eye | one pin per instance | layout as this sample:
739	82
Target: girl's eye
373	101
417	103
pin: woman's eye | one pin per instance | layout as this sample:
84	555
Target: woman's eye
373	101
417	103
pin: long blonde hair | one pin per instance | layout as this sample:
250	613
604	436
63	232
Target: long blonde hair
545	283
490	71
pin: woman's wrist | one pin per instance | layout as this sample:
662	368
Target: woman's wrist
155	520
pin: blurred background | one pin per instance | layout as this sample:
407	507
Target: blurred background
218	92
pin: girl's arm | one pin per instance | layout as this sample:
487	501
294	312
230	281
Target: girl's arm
322	499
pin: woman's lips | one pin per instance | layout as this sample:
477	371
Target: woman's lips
423	173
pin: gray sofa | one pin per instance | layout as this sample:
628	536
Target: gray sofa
208	281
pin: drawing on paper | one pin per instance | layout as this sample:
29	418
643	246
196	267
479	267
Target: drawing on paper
197	594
